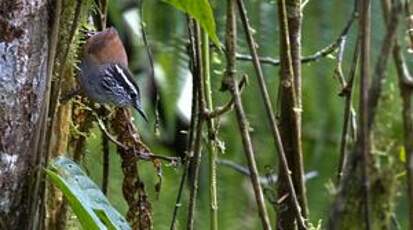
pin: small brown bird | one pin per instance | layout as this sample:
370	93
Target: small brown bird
105	77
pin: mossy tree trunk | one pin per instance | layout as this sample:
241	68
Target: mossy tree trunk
24	29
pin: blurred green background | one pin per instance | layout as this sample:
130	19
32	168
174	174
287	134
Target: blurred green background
322	116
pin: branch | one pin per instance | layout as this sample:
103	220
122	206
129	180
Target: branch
103	112
347	92
243	124
151	69
295	210
402	67
212	133
382	62
227	107
107	134
264	180
304	4
196	155
106	165
193	128
363	137
324	52
146	154
102	8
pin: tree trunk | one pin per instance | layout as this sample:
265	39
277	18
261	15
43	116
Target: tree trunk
23	85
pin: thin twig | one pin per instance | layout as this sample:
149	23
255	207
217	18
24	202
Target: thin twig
105	152
382	62
304	4
106	164
347	92
249	151
401	64
151	65
395	222
194	121
339	65
144	155
179	195
231	37
264	180
197	155
212	132
316	56
221	110
108	135
363	137
103	11
174	161
398	56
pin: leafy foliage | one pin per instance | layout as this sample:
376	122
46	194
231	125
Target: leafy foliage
85	198
202	12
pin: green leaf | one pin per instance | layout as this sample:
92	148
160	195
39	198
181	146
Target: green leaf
202	12
85	198
105	218
87	218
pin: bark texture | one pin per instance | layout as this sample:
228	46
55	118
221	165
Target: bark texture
23	81
291	108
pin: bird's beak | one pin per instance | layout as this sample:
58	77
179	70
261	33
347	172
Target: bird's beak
141	112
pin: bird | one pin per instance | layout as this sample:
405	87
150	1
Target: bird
104	75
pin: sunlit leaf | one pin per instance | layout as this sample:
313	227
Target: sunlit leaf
85	198
202	12
86	216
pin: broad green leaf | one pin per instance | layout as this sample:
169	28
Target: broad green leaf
105	218
86	217
85	198
202	12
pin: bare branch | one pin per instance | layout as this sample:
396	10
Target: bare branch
347	92
231	83
363	137
316	56
196	155
228	106
291	185
193	128
382	63
264	180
